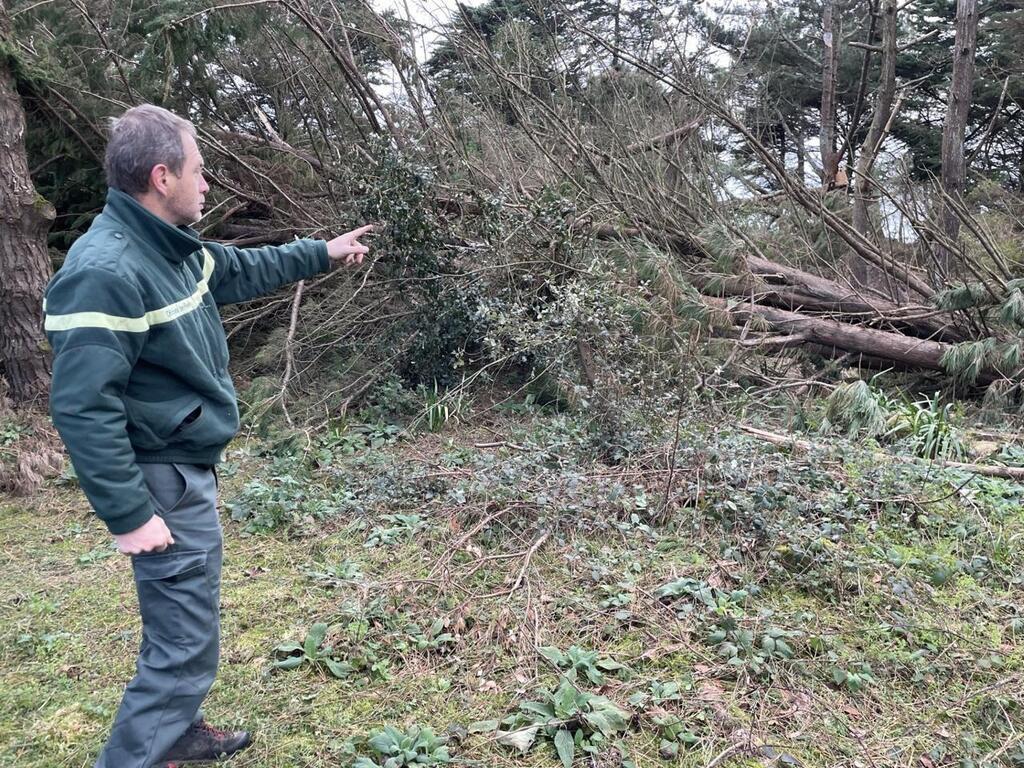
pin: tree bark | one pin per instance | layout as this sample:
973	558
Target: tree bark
25	218
830	60
954	166
876	133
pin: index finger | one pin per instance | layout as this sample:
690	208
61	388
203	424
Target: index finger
361	231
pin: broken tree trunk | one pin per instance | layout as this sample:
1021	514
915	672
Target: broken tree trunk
794	289
798	290
989	470
858	339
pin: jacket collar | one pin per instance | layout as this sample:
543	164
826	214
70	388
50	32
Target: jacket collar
174	243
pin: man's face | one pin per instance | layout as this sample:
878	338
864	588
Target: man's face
187	191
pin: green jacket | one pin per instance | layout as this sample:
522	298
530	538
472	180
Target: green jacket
140	360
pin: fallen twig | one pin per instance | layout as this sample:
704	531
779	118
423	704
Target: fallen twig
988	470
289	355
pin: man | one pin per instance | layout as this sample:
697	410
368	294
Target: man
143	401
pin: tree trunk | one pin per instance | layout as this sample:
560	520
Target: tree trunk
25	218
830	60
784	287
876	135
958	104
850	141
917	353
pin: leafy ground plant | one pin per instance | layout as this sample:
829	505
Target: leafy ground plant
573	720
394	749
576	661
402	528
314	652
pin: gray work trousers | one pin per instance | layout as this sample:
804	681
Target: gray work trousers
179	599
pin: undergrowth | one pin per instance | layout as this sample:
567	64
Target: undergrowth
513	593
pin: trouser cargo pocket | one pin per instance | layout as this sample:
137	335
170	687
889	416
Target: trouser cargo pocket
175	598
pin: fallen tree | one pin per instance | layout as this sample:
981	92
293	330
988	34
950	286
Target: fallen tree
858	339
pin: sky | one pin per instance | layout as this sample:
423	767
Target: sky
430	15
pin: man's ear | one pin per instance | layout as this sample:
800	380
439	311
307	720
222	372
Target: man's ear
158	179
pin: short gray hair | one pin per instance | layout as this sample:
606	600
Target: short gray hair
142	137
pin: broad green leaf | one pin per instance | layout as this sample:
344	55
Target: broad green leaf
440	755
383	743
566	700
289	647
553	655
290	663
339	669
315	638
565	747
638	699
606	717
483	726
545	711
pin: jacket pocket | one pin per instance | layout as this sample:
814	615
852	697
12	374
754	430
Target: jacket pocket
175	598
152	423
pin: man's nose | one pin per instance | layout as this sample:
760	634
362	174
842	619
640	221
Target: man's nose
203	186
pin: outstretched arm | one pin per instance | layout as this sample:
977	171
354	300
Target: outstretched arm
241	274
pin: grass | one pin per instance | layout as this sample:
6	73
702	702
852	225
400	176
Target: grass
530	540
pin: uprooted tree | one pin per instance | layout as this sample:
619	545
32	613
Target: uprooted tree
835	177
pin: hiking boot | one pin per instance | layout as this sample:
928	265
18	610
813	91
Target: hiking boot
204	743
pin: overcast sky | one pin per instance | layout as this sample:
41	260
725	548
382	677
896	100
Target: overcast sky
427	12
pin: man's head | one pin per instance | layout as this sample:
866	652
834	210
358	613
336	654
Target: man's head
152	156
